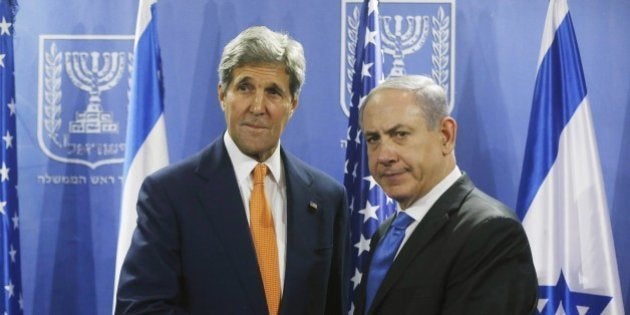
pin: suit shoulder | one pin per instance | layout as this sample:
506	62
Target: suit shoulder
484	207
484	221
185	168
177	170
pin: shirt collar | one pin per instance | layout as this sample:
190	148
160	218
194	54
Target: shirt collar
244	165
420	207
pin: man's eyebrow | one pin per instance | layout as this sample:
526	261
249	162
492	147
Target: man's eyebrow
243	79
276	86
394	128
272	85
387	131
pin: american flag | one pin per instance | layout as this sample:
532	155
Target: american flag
369	206
10	250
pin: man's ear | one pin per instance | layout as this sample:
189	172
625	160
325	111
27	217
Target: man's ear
294	105
448	130
221	94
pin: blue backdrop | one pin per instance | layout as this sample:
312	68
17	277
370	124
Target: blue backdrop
70	180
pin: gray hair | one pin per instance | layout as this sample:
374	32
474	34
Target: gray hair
430	96
257	45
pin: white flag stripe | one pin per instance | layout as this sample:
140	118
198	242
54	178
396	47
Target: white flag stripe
556	249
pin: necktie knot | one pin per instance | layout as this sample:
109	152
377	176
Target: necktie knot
260	171
402	221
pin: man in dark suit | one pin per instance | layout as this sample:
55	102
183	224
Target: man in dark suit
197	249
450	249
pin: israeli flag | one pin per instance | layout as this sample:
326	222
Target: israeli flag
146	149
561	200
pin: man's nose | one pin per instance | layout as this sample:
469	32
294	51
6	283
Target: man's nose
387	153
258	103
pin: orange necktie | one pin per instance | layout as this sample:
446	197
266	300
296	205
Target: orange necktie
264	236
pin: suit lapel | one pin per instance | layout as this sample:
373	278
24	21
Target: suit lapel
222	199
301	229
431	224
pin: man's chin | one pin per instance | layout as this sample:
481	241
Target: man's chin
257	149
395	192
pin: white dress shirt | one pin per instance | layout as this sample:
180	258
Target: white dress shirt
275	191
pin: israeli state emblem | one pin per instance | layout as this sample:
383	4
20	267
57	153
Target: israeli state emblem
83	92
417	37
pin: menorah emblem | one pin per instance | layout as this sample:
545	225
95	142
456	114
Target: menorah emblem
398	44
94	79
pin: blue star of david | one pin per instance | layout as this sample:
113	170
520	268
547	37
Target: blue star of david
561	293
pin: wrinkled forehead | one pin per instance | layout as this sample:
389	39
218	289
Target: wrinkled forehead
385	113
388	101
268	73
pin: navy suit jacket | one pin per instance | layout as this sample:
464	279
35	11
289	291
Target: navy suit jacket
192	252
468	255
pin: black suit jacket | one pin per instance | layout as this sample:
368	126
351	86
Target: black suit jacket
192	251
469	255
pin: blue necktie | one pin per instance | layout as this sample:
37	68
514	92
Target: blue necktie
384	255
